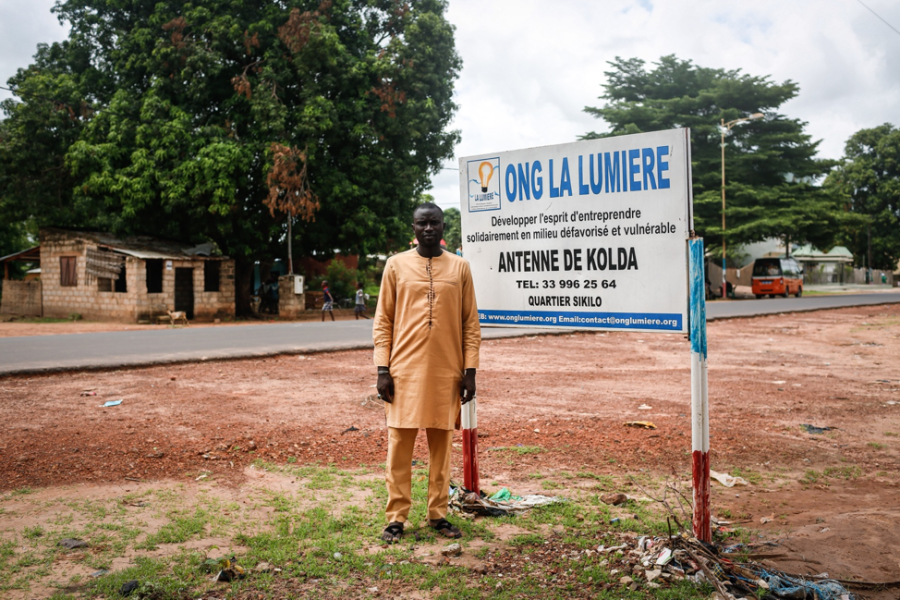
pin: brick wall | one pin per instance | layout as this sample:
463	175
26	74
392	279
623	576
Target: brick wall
135	304
21	298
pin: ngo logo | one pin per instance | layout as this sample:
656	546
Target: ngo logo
484	184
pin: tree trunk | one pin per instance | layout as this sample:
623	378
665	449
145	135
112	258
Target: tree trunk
290	250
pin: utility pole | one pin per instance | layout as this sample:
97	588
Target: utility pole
869	277
724	128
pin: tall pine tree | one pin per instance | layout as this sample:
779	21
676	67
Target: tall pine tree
771	166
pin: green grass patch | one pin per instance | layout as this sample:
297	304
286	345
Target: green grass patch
520	449
322	533
179	530
752	477
811	476
847	472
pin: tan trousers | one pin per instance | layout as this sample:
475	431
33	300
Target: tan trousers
399	472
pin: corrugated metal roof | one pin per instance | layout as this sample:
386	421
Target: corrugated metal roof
142	247
836	254
23	255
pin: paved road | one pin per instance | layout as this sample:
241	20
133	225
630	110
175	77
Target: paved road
129	348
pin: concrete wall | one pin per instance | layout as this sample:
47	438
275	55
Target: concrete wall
21	298
207	305
290	305
135	304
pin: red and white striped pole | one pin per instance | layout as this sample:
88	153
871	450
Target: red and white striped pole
470	446
699	394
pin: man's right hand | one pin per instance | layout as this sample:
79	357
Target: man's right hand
385	387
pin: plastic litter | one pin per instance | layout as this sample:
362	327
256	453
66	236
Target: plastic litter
504	495
727	480
229	570
812	429
111	403
664	557
640	424
128	587
466	501
785	586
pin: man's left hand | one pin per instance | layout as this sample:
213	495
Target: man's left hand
467	386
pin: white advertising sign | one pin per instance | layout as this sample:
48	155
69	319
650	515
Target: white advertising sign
587	235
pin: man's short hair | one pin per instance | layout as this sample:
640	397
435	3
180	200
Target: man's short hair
429	206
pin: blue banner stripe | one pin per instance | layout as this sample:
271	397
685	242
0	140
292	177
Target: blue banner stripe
698	298
605	320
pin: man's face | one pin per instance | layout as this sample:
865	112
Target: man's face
428	225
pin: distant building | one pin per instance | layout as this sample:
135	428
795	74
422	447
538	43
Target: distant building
105	278
834	266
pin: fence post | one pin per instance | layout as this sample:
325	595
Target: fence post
699	394
469	419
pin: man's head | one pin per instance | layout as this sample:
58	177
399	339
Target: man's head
324	283
428	224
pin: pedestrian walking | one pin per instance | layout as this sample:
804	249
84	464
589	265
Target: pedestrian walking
427	340
360	307
327	301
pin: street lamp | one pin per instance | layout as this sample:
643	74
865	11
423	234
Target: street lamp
725	128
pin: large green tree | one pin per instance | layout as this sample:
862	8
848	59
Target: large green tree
869	176
771	166
189	120
452	228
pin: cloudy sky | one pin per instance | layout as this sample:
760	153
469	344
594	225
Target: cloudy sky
530	67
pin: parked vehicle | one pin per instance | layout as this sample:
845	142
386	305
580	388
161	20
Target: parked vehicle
777	277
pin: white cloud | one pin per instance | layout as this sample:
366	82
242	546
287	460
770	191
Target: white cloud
23	25
530	67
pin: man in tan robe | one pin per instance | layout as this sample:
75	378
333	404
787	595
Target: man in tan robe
427	339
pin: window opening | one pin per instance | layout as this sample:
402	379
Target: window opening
121	285
211	275
68	273
154	275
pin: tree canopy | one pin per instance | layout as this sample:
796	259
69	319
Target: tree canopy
771	167
869	176
453	228
168	117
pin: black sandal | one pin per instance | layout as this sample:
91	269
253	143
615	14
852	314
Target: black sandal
392	533
445	528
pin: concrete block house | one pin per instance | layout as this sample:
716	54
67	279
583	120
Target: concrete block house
105	278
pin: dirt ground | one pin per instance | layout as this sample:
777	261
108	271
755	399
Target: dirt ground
832	499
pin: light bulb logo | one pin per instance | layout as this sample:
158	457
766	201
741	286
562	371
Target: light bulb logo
485	180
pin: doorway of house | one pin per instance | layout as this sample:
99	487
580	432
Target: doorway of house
184	291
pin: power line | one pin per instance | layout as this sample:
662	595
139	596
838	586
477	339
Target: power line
880	17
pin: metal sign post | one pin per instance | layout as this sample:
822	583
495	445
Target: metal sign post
699	393
470	446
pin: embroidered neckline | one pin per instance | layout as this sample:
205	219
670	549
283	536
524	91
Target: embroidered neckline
430	272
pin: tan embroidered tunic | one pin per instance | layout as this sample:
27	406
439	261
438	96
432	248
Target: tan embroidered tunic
426	330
